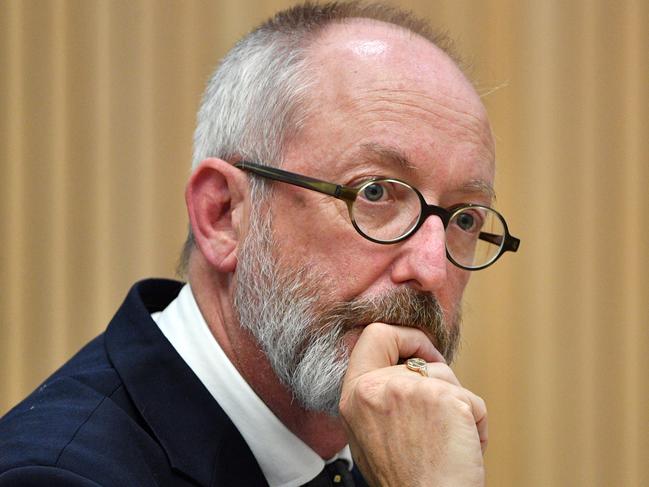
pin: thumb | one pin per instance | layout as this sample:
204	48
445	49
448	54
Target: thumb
381	345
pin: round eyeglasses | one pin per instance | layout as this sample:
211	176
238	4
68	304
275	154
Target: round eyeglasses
387	211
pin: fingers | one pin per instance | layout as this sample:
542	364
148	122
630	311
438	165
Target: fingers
476	403
442	380
381	345
443	372
479	411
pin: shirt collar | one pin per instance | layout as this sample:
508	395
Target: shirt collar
284	458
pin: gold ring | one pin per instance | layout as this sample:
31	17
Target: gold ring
417	364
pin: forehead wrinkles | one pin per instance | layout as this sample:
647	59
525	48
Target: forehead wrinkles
449	113
453	117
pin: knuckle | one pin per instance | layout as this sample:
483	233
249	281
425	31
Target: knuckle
397	389
439	389
482	410
445	396
465	410
367	390
482	405
442	371
378	330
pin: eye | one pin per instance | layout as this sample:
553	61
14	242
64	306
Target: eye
465	221
469	220
373	192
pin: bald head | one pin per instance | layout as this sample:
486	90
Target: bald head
369	74
370	55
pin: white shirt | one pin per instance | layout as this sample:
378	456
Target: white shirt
285	459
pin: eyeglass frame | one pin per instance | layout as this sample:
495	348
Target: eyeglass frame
348	194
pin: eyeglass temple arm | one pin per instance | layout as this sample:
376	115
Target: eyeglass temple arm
336	190
511	243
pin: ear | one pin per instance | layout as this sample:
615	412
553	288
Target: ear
216	196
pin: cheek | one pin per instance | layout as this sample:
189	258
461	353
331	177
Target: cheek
454	289
458	277
317	233
309	219
349	269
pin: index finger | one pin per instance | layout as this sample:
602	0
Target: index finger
381	345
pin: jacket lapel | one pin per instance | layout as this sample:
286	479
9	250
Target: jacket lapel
197	436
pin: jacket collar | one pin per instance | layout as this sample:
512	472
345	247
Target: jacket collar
197	436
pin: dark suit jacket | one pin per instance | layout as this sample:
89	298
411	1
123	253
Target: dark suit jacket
125	411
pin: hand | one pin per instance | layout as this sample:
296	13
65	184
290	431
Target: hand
406	429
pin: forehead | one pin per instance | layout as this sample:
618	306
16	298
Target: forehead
378	86
363	50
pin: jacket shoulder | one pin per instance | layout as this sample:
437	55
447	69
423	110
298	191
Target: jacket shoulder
39	427
79	423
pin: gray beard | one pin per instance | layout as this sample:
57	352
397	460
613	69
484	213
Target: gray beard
300	327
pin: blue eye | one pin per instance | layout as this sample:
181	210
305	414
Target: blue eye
373	192
465	221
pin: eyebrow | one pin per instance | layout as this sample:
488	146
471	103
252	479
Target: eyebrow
376	152
479	186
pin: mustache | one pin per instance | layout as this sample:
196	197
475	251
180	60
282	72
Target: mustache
401	307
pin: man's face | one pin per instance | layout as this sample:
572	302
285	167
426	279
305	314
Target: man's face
385	104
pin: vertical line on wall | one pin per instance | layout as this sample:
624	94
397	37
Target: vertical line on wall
102	170
634	241
15	197
146	149
5	210
586	456
192	81
541	79
58	258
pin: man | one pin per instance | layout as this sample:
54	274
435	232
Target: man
323	298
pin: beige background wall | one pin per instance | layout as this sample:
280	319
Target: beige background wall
97	103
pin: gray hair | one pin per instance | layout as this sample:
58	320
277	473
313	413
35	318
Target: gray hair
257	99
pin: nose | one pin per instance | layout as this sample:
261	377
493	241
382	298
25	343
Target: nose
422	261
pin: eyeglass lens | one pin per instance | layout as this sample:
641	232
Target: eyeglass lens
474	236
386	210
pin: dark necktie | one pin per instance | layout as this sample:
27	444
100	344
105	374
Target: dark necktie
334	474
